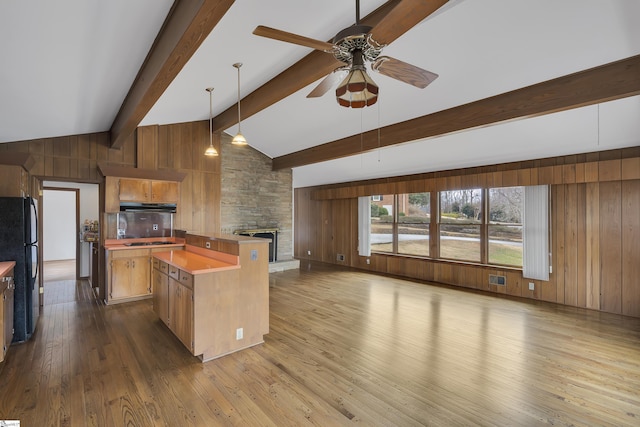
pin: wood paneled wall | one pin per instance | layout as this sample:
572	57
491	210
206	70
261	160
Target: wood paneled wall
181	147
595	220
73	158
176	147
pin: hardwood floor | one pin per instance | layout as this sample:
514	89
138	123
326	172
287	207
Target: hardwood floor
345	347
54	271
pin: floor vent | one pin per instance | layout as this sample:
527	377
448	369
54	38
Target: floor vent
495	279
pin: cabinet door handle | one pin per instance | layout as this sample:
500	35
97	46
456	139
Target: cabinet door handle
133	264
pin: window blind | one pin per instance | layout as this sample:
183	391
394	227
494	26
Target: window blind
364	226
535	260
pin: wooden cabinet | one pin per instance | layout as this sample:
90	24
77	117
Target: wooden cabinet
161	290
134	190
128	274
139	190
173	300
164	192
181	312
7	289
14	181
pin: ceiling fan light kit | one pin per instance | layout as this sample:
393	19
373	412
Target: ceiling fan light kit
211	150
239	139
354	46
357	90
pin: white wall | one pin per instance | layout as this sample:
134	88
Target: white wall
59	221
59	225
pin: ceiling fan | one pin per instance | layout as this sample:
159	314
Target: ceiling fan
354	46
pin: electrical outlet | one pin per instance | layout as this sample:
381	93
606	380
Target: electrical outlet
340	257
155	227
308	252
207	245
368	261
239	333
532	286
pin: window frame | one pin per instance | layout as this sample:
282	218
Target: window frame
435	225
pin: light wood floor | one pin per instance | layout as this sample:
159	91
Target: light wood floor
53	271
345	348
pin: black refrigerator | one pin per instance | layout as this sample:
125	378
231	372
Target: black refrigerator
19	243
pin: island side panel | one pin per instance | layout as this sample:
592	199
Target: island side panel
215	299
254	281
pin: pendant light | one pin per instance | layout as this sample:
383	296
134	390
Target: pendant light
239	139
211	150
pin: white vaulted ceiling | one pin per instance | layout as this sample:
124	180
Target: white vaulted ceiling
66	67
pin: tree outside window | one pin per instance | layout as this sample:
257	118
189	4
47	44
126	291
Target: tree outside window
506	206
414	216
460	224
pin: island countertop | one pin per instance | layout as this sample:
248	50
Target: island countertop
194	263
5	266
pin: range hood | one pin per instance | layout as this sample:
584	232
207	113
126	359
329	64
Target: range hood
147	207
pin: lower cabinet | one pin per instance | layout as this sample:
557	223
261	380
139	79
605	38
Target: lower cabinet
7	288
173	300
181	312
128	274
161	292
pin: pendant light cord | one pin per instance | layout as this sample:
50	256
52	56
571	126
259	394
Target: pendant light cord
210	117
238	65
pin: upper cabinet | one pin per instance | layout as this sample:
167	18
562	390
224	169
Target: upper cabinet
139	190
134	190
164	192
151	191
14	174
14	181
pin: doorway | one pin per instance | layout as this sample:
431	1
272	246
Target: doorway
64	251
60	218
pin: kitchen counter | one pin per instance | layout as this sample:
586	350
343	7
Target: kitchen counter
195	263
143	243
5	266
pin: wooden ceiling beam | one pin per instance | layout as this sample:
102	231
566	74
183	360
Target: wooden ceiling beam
607	82
186	27
319	64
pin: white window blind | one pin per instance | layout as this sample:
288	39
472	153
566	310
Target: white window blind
364	226
535	260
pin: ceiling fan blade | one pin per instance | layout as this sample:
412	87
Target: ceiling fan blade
327	83
284	36
404	72
403	17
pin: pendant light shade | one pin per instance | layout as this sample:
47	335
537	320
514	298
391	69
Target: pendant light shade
239	139
211	150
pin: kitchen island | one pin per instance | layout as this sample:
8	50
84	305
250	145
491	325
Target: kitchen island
214	294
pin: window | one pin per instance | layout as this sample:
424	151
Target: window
460	224
506	208
382	225
414	214
479	225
